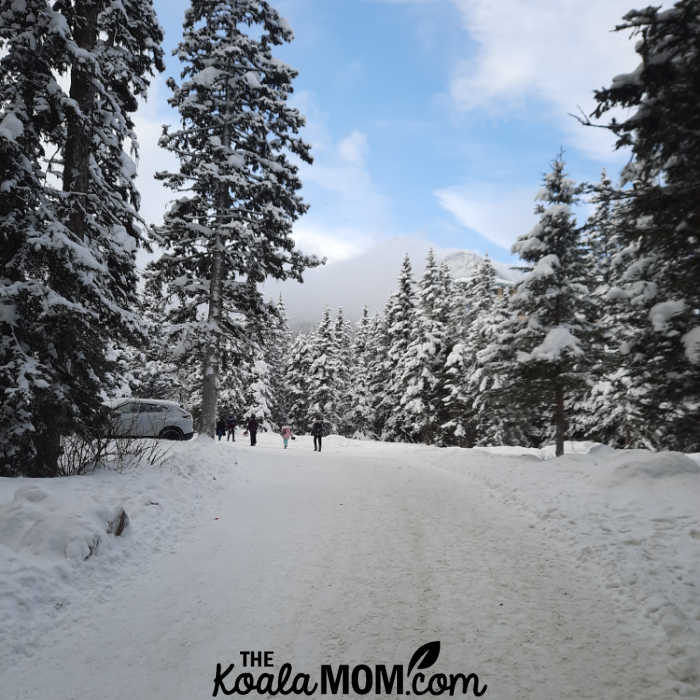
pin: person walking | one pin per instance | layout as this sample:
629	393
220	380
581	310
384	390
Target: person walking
286	433
317	432
253	430
220	428
231	429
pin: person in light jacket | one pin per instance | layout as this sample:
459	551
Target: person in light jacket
286	433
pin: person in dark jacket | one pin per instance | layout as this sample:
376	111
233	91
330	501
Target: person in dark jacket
317	432
253	430
220	428
231	428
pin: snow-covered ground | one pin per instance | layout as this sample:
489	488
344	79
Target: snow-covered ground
576	577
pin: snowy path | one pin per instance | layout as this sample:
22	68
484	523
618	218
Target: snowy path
359	554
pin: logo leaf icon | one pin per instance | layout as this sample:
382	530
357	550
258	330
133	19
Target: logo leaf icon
424	656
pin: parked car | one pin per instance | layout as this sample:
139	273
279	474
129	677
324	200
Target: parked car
131	417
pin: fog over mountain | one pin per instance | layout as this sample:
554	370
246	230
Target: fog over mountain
368	279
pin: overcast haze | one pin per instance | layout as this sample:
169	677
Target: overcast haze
428	119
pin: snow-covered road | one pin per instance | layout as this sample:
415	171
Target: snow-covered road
357	555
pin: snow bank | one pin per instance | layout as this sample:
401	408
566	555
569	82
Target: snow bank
634	512
55	549
636	464
41	523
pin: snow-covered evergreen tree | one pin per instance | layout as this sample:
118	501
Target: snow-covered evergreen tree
414	417
68	287
377	360
258	392
360	419
323	377
399	327
298	370
420	412
469	324
495	420
342	337
543	346
234	143
612	412
662	211
278	346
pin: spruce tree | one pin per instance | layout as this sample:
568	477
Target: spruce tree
469	324
298	369
399	328
277	351
323	398
235	145
377	359
456	426
258	392
360	416
69	281
496	420
663	210
421	381
414	417
543	346
612	411
342	336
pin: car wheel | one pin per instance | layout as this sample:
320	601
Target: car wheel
171	434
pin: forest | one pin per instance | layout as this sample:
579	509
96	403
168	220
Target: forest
599	340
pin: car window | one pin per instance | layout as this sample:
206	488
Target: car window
153	408
127	408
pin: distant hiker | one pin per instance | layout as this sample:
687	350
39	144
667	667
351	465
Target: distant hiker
231	429
286	433
253	430
317	432
220	428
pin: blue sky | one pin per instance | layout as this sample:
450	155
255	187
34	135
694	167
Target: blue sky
429	118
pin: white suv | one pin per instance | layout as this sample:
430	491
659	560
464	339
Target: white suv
149	418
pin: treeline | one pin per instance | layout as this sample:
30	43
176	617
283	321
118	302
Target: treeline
600	340
569	352
74	329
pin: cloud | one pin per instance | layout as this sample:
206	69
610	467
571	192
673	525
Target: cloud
499	215
347	212
365	279
152	158
556	51
353	148
333	244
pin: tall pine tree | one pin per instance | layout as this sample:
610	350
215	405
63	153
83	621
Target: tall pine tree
542	347
234	144
663	210
68	286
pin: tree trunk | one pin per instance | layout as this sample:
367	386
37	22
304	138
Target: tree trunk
76	157
559	418
48	445
210	365
76	180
